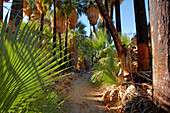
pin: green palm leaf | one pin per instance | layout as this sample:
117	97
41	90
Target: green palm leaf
25	67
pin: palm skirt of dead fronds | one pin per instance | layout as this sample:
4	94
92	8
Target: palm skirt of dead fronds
129	98
113	1
72	19
37	14
93	14
5	0
26	9
39	6
60	22
140	104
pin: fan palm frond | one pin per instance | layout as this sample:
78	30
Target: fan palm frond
25	67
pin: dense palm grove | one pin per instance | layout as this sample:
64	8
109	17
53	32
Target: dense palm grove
53	43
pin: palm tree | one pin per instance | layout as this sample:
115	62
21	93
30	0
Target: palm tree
118	21
159	22
76	38
111	28
92	14
142	35
66	41
72	18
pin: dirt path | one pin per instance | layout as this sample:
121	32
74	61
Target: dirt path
84	97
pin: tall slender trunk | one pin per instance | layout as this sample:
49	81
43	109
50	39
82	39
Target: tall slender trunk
160	36
142	35
111	10
65	51
111	28
111	15
16	12
94	29
54	29
107	31
41	23
107	8
118	21
1	11
60	47
106	5
70	52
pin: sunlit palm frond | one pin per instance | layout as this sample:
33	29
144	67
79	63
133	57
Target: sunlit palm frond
25	67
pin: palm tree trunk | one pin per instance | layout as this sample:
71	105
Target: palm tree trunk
142	35
118	21
60	47
111	28
70	52
111	9
1	11
107	8
54	29
159	22
94	29
65	51
16	12
41	22
108	33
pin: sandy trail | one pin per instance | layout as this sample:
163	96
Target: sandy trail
84	96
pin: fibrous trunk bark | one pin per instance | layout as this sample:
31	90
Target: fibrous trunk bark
142	35
118	21
16	12
160	37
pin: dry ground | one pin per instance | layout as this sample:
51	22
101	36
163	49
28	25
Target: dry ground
84	97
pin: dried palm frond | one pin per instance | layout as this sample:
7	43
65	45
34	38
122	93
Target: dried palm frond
60	23
37	14
113	1
25	4
93	14
101	16
27	12
26	8
73	18
140	104
39	6
6	0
